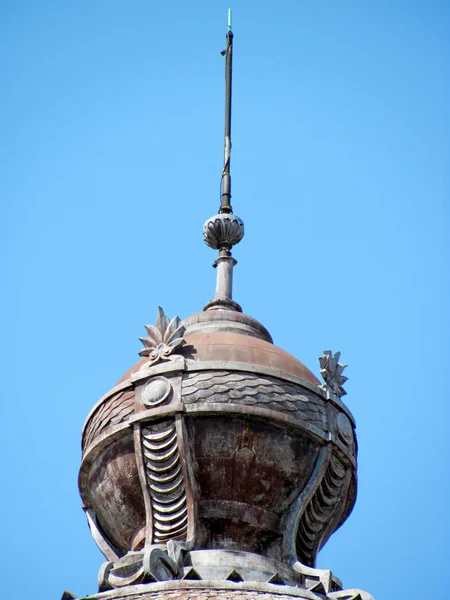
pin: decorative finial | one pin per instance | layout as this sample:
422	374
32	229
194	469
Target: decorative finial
224	230
163	338
331	371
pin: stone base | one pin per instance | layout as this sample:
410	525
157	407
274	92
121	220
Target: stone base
174	573
214	590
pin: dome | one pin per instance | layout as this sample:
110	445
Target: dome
225	335
219	440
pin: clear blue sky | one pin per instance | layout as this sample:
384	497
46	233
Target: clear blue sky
111	148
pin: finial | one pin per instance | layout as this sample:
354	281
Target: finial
163	338
224	230
331	370
225	206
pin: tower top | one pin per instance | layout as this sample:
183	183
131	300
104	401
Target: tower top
219	463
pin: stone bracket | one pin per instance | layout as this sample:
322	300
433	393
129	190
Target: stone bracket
103	543
137	567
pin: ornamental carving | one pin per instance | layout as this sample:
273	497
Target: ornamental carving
331	371
344	429
225	387
223	231
165	481
137	567
321	509
163	338
113	411
156	391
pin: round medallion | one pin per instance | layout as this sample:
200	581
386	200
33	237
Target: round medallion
344	428
156	391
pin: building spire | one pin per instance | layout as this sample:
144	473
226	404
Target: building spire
225	197
224	230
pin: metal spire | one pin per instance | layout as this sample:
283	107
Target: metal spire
224	230
225	206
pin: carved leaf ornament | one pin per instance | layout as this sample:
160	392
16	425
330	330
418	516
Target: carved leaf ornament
163	338
331	371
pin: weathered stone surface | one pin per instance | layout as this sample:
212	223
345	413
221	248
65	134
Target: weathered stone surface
205	594
250	389
199	590
113	411
240	453
209	594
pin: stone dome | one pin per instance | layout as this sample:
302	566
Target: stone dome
226	335
218	440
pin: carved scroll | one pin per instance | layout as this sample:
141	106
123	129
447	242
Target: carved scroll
321	509
137	567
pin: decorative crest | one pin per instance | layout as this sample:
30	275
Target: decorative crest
331	371
163	338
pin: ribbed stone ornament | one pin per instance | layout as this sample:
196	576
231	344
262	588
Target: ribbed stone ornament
223	231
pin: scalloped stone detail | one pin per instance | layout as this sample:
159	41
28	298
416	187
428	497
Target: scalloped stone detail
223	230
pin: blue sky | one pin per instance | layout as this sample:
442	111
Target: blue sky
111	117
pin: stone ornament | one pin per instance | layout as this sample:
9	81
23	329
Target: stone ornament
331	371
344	428
323	506
165	482
115	410
156	391
249	389
191	589
137	567
223	231
175	564
163	338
